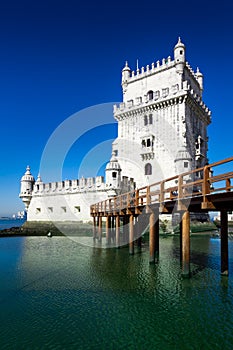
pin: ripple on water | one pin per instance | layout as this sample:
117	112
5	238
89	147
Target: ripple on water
66	296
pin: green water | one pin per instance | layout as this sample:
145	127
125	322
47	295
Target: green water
57	294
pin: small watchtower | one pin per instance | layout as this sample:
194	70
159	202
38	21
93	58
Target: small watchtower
113	173
27	183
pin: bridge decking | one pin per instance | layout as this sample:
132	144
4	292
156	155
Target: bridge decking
194	191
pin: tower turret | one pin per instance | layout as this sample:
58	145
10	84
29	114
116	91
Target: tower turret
113	173
27	182
199	77
125	76
179	56
38	180
183	161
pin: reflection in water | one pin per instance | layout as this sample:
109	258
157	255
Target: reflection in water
66	296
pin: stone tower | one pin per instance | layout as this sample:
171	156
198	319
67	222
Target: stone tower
162	121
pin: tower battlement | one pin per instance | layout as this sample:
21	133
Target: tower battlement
82	185
168	75
153	68
70	186
161	98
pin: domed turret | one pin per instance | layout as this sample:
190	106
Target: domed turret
125	76
199	77
27	182
38	180
113	172
183	160
179	56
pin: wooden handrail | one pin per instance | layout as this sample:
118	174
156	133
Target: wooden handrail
185	183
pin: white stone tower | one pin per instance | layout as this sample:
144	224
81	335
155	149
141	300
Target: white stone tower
162	121
27	182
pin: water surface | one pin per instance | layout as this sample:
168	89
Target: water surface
57	294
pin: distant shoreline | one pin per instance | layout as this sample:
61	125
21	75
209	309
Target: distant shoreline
74	228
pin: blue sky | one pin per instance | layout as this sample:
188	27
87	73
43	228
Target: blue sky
58	57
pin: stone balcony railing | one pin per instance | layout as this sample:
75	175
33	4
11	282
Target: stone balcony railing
173	94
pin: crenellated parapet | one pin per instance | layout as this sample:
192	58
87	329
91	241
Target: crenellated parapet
197	100
70	186
159	99
82	185
153	68
191	71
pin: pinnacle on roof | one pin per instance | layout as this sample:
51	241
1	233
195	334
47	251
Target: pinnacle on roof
38	180
126	67
198	73
28	170
113	164
179	43
27	176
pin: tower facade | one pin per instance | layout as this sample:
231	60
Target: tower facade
162	121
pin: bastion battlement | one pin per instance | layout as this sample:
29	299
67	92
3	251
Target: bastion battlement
90	184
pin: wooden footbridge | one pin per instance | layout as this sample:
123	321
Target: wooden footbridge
200	190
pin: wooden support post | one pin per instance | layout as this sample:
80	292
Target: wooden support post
181	241
186	244
224	243
131	235
154	238
100	228
94	227
157	237
108	228
118	231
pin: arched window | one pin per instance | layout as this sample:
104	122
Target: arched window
148	169
150	95
145	120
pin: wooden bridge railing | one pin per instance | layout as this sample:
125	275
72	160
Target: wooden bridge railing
197	182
